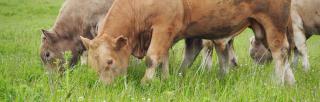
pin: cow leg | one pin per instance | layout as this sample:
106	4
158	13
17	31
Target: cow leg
207	54
279	46
300	40
192	49
165	67
75	58
296	55
223	56
84	58
302	50
259	56
158	53
232	55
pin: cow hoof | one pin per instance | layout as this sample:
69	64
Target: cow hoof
294	64
306	68
289	77
145	81
290	81
165	77
234	63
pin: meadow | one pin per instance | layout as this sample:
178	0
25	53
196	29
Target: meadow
23	77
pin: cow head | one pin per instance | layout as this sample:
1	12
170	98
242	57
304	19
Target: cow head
258	52
52	49
108	56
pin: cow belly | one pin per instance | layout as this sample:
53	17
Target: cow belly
212	31
219	21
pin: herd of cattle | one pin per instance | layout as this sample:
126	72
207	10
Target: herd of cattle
108	32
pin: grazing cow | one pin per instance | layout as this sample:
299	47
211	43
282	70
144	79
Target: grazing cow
172	20
305	15
72	23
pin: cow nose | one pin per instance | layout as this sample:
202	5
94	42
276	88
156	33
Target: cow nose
109	61
47	54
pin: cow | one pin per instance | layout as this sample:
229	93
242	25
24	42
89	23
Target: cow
71	23
172	20
305	15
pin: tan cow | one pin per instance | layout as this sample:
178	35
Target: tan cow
305	16
172	20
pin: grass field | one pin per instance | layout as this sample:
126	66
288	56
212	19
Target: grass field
23	78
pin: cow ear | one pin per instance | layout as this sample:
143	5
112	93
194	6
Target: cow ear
121	42
86	42
47	34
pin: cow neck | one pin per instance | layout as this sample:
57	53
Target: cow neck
123	20
68	26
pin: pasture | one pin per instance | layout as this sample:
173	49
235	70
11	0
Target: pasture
23	77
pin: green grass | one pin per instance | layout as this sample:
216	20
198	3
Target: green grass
23	78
